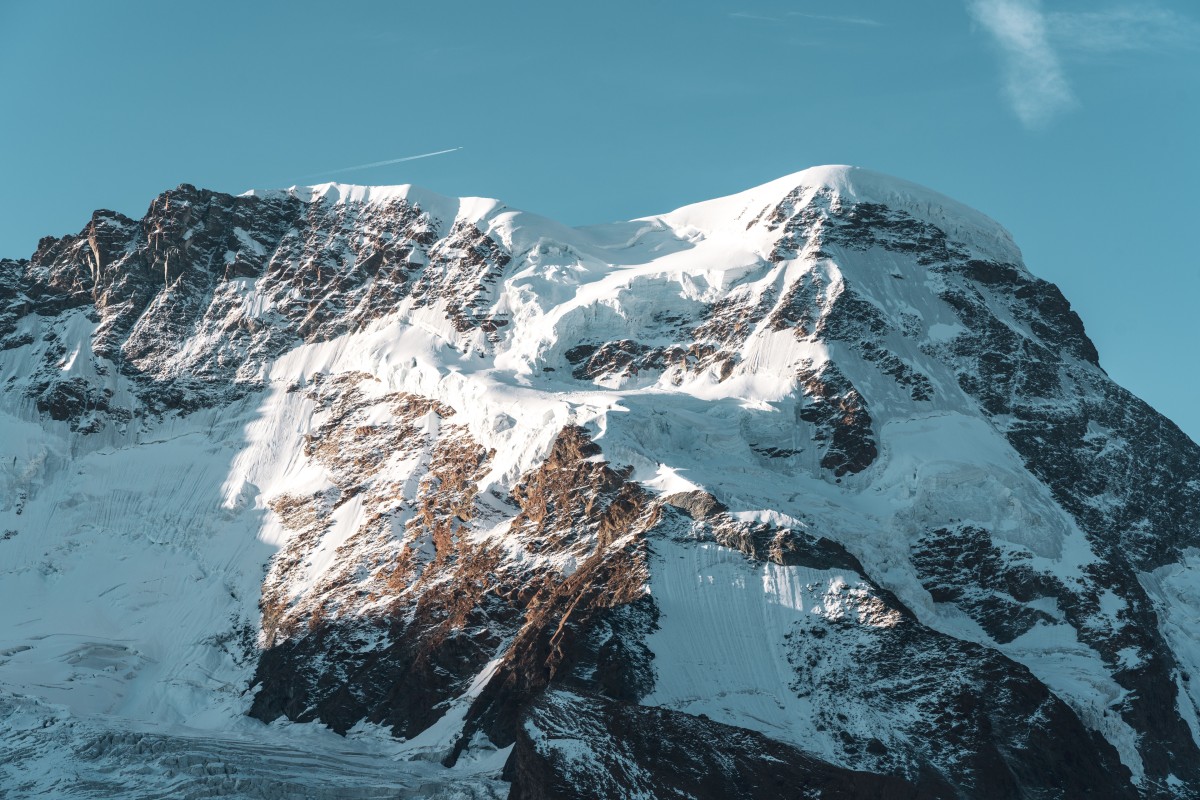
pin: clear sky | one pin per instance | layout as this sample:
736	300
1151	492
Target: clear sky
1075	124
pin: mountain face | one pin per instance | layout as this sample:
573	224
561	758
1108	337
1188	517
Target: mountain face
810	491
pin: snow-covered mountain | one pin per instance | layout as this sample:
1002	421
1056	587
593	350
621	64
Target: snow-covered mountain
813	490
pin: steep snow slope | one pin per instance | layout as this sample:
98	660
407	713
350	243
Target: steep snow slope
815	482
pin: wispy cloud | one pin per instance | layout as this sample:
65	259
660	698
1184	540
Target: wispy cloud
1031	42
1116	30
756	17
1034	81
873	23
380	163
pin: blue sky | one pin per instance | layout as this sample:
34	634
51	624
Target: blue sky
1075	124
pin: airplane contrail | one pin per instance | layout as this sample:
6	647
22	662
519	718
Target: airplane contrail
381	163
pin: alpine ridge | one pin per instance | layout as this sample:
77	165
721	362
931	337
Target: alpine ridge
810	491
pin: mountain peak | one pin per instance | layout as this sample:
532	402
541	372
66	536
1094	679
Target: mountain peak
845	184
815	482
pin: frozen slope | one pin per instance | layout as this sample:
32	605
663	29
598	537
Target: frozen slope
815	481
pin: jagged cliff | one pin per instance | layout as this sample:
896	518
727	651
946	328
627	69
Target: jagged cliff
813	490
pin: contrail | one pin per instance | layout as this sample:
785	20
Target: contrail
381	163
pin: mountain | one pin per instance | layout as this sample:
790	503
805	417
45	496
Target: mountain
813	490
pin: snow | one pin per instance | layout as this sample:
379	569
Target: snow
117	593
851	184
668	481
1175	590
48	751
1077	674
722	645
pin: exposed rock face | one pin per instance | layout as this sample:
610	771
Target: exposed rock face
810	491
194	300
